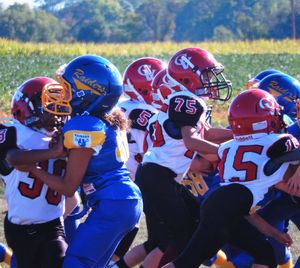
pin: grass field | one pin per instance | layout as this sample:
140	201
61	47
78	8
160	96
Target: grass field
242	60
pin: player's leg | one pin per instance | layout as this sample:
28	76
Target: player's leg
246	237
54	245
24	241
217	218
98	237
71	223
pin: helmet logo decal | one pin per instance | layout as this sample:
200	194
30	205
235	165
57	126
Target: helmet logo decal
267	105
3	135
145	70
276	90
181	60
84	83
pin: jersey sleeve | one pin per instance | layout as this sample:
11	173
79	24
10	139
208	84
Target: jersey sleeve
8	139
185	110
84	132
285	144
140	118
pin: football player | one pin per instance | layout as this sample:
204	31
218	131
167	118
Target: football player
96	138
256	121
137	80
253	82
286	91
178	130
33	224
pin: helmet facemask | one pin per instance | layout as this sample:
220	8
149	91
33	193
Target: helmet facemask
214	84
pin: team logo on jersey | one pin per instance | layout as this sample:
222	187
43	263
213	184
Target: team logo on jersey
267	105
145	70
182	60
3	135
82	140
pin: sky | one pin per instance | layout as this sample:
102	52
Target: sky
6	3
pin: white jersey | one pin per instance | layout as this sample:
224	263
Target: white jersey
29	200
242	161
139	114
167	148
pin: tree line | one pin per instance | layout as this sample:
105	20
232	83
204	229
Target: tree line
155	20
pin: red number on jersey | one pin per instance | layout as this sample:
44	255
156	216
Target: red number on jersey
35	190
59	167
156	135
143	118
240	164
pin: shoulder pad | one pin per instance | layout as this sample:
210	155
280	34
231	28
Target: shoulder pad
285	144
140	118
185	110
84	132
8	139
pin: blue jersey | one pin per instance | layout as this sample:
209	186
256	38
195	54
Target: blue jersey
106	176
200	186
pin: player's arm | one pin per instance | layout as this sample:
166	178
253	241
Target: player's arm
291	181
218	135
205	148
284	150
268	230
78	160
79	155
17	157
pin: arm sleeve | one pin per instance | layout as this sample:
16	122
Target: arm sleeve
8	140
82	132
185	110
284	150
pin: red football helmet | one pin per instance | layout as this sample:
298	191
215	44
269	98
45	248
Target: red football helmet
255	111
162	87
199	72
138	77
26	105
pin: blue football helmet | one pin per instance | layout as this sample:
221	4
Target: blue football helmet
92	86
253	82
285	89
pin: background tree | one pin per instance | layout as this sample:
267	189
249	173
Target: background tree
25	24
142	20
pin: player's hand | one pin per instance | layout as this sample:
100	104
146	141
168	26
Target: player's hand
294	183
57	146
283	238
